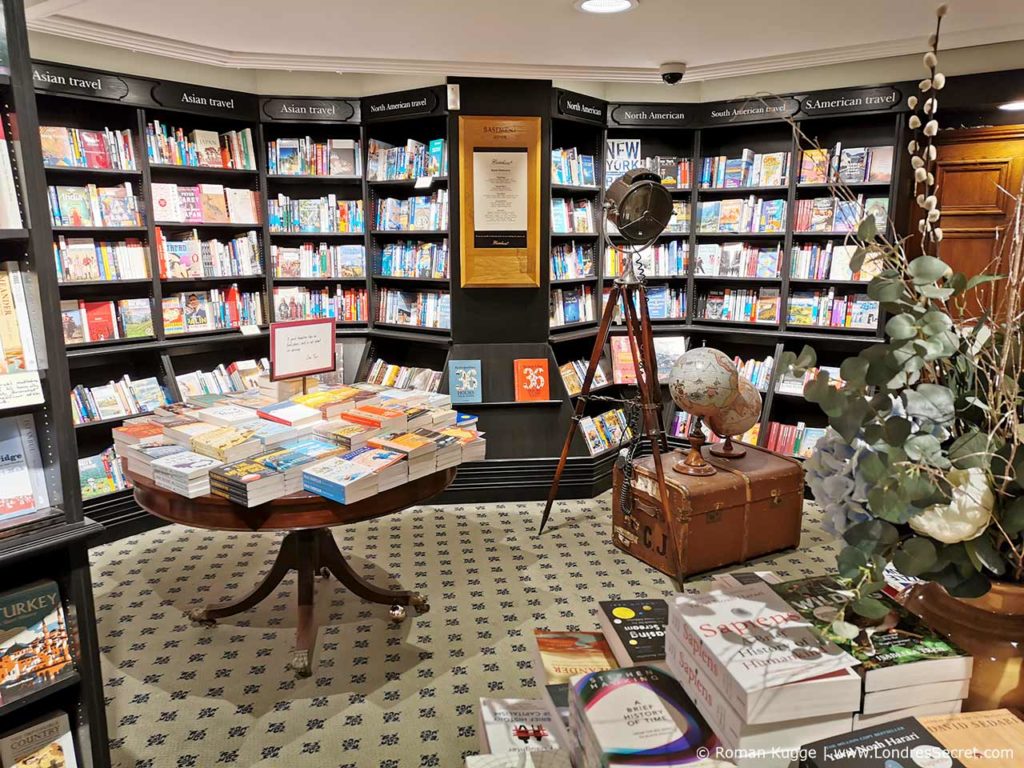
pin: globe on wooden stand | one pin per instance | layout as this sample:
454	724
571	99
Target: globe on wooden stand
704	382
741	415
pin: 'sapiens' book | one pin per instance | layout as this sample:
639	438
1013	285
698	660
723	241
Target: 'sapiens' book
515	725
756	649
44	743
34	650
531	379
640	716
899	652
635	630
464	382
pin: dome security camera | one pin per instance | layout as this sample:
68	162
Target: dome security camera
672	72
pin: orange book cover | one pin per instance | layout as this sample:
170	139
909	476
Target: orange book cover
564	655
531	379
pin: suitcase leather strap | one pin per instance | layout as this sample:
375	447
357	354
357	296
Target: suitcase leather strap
746	505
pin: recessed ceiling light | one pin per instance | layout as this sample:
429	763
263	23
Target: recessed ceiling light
1013	106
606	6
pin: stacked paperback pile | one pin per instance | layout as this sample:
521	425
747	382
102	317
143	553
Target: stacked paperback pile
744	305
116	399
660	260
826	309
92	321
569	168
413	214
322	260
386	162
81	259
92	206
186	473
738	260
345	305
326	214
571	305
204	204
408	258
186	256
852	165
752	214
79	148
168	145
426	309
308	157
216	309
572	260
572	216
814	261
750	169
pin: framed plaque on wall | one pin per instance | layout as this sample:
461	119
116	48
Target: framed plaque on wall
499	201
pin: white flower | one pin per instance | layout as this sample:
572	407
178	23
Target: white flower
941	10
914	122
968	513
931	152
939	81
931	128
930	60
924	85
912	146
930	106
916	162
920	174
930	202
937	234
933	215
912	103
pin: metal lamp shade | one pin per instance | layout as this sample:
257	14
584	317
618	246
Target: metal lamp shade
639	206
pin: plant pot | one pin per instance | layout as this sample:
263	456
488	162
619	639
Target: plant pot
990	628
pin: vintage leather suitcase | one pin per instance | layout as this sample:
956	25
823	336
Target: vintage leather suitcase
751	506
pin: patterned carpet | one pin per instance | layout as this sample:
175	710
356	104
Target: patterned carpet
180	695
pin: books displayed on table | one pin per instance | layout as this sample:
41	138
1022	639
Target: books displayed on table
750	169
22	482
10	205
168	145
413	160
17	346
415	258
239	376
571	305
635	631
827	309
43	743
92	321
82	259
186	473
570	216
665	259
741	305
852	165
516	725
793	439
93	206
204	204
789	384
186	256
101	475
814	261
403	376
309	157
345	305
572	260
413	214
605	431
569	167
749	214
833	214
426	309
664	302
575	371
117	399
738	260
194	311
327	214
79	148
311	260
34	648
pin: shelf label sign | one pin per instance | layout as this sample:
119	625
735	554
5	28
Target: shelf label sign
19	389
78	82
653	115
420	101
301	348
311	110
750	110
581	106
841	102
211	101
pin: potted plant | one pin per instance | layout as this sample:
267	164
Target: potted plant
923	465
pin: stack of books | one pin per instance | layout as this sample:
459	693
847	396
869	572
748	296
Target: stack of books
509	728
318	260
79	148
83	259
750	169
413	214
415	258
387	162
308	157
738	260
419	450
635	631
204	204
167	145
92	206
186	256
186	473
325	214
752	214
341	480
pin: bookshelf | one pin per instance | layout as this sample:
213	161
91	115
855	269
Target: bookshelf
51	543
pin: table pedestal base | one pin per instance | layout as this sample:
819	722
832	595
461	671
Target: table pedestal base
312	553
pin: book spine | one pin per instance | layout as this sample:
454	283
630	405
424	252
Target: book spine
707	661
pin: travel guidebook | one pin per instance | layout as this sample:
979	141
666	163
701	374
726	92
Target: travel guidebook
34	651
43	743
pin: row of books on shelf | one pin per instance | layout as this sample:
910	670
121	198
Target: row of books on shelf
575	371
117	399
23	488
605	431
403	376
684	423
738	260
387	162
344	305
665	259
237	376
308	157
625	154
664	302
82	259
830	261
750	169
794	385
852	165
318	214
91	321
204	204
17	346
829	310
757	372
93	206
678	223
186	256
425	309
415	258
101	475
168	145
318	260
832	214
748	214
572	260
572	216
793	439
569	167
216	309
747	305
571	305
80	148
413	214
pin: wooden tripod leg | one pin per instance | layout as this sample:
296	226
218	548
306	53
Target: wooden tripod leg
581	400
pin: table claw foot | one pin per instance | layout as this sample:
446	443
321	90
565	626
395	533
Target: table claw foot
200	617
397	614
300	664
420	603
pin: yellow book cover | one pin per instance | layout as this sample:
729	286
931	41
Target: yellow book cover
10	335
216	443
564	655
971	735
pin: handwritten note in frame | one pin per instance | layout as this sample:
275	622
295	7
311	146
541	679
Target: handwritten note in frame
301	348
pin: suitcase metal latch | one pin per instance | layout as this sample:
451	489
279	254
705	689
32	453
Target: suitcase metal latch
776	497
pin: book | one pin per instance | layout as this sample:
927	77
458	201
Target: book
339	480
623	371
667	349
515	725
34	649
464	381
562	655
635	630
22	487
880	165
531	379
100	320
44	743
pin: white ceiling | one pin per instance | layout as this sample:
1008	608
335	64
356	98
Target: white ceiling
526	38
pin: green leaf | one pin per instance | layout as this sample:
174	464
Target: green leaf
885	290
927	449
857	260
853	370
887	505
833	402
958	282
897	430
850	561
872	467
848	422
984	554
927	269
974	585
935	320
902	326
870	608
915	556
930	291
867	229
872	536
971	449
1013	517
977	280
931	402
807	358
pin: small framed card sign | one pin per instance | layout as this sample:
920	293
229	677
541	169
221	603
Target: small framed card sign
301	348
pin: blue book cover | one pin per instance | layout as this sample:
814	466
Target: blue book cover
658	302
587	165
464	383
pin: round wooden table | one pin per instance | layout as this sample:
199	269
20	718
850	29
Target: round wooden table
308	546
